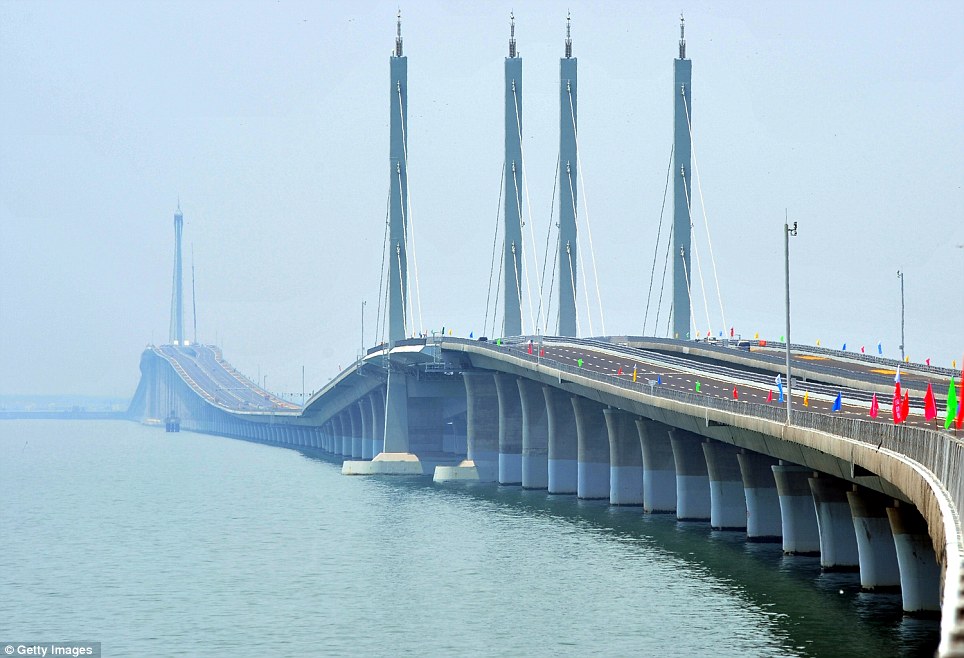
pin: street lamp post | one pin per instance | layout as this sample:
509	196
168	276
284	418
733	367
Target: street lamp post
363	328
787	232
900	275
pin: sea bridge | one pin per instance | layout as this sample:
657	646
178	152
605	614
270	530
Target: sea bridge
672	425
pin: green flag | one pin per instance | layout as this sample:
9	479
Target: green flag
697	386
580	363
951	405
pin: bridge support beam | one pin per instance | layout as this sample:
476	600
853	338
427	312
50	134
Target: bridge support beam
563	443
692	478
920	572
535	436
763	522
354	416
592	480
727	497
365	413
838	543
510	429
875	541
378	421
345	434
797	514
625	458
482	432
659	467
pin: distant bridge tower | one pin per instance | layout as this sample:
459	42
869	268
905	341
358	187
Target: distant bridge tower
568	274
398	328
682	181
513	262
177	297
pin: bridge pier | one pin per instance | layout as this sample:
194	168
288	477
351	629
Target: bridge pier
592	481
659	467
763	523
920	572
378	421
510	429
345	426
482	432
727	496
535	436
798	516
838	541
354	416
365	414
563	462
692	478
625	458
875	541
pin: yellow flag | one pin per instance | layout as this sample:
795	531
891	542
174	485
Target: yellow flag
906	359
806	399
818	342
756	336
450	332
634	374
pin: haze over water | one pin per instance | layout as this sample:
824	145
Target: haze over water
186	544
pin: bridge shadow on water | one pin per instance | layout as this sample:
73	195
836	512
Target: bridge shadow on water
819	614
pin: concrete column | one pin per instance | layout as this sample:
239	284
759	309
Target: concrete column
365	412
535	436
797	514
875	541
763	523
378	421
510	429
692	478
593	449
563	444
396	414
659	468
727	498
920	573
345	434
482	420
354	413
838	543
625	458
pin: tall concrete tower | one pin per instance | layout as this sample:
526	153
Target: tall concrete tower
682	272
568	274
398	195
177	295
512	260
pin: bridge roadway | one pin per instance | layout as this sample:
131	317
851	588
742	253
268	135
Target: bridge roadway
213	379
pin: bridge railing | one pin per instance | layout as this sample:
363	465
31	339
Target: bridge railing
940	453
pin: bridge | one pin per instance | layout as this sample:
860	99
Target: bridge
782	442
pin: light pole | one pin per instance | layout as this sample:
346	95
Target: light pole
900	275
363	328
302	385
787	232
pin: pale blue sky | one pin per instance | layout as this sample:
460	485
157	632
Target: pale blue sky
270	121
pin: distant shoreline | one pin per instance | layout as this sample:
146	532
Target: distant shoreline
66	414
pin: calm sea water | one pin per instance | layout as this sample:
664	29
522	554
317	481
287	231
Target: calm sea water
190	545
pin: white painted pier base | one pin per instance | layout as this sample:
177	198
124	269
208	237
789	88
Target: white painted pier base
592	481
838	543
510	429
535	436
875	541
481	463
692	478
797	514
920	572
659	467
763	522
625	459
563	444
727	498
386	463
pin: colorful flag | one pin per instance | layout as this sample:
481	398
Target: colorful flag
880	348
897	376
530	347
770	395
542	351
579	363
780	386
471	334
862	349
634	374
498	341
845	347
818	342
806	399
736	396
659	379
896	405
951	404
874	407
756	335
960	406
930	404
837	403
905	407
731	332
619	372
927	361
697	386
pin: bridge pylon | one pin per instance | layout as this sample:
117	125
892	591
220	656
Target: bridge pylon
176	336
512	258
682	146
568	174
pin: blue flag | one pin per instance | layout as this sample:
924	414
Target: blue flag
659	379
780	386
880	349
836	403
471	334
845	347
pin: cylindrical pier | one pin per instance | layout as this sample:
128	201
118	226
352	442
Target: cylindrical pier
482	420
692	478
593	449
875	541
797	514
659	466
510	429
727	498
625	458
763	523
920	573
838	543
563	443
535	436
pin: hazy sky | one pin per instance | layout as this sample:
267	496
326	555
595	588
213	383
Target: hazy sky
269	120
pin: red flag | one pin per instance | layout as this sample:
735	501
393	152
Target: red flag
770	396
542	352
896	405
930	404
874	407
862	349
619	372
530	347
731	332
928	361
959	421
905	407
736	396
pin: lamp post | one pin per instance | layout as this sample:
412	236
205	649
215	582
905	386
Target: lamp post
363	328
787	232
900	275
